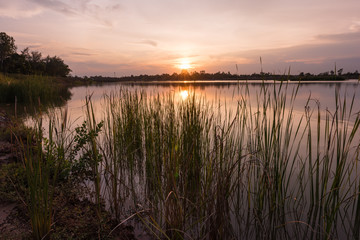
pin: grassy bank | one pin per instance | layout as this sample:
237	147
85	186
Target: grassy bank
42	191
32	90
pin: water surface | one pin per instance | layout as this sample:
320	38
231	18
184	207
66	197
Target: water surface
228	92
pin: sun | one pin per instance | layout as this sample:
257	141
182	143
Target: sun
184	64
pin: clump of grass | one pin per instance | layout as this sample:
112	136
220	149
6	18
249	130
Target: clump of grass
32	89
92	154
210	173
41	160
51	160
333	171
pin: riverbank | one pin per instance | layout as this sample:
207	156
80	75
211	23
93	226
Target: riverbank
13	223
73	215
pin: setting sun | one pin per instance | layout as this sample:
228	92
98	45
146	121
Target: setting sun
184	65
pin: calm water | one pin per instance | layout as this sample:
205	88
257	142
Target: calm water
227	92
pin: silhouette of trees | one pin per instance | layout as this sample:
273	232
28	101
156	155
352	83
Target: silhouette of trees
7	48
55	66
193	76
16	63
29	62
340	71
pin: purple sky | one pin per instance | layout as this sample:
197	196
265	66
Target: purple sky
157	36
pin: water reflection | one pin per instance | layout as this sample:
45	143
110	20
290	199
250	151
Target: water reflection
184	94
229	93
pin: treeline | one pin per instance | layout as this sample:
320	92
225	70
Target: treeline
203	76
28	62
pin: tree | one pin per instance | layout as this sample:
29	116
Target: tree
55	66
16	63
340	71
7	47
26	54
37	63
28	62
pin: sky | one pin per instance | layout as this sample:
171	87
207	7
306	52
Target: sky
124	37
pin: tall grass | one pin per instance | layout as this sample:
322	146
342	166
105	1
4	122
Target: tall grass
333	170
259	172
32	89
192	169
44	161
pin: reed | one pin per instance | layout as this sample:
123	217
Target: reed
210	173
192	169
333	170
31	89
44	160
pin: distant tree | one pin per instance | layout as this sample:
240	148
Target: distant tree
16	63
184	74
34	63
37	63
28	62
26	54
340	71
7	48
36	56
55	66
324	74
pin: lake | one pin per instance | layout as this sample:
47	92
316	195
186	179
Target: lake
213	91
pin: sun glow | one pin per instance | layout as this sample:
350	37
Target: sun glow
184	64
184	94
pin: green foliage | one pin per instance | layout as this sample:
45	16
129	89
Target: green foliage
41	172
82	165
12	182
51	162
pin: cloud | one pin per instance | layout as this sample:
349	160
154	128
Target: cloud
55	5
315	56
92	68
33	45
147	42
101	14
19	9
115	7
341	37
82	54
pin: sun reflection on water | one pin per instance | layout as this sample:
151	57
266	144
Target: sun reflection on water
184	94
